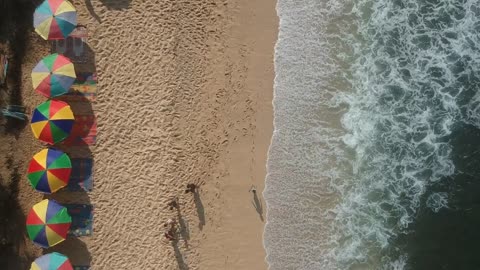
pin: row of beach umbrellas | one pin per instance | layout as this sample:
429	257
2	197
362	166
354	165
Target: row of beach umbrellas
49	170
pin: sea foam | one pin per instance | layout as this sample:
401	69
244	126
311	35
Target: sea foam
367	94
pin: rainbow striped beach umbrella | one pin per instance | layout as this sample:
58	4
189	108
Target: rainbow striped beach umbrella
53	75
55	19
49	170
52	261
52	121
48	223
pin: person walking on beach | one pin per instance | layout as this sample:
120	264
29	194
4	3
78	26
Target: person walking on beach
170	224
173	203
170	227
192	188
169	236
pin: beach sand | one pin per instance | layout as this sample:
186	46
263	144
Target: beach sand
184	95
234	241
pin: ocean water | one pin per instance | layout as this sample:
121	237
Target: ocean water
375	157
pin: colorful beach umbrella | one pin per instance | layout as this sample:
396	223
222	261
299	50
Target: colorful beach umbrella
53	75
55	19
52	261
49	170
48	223
52	121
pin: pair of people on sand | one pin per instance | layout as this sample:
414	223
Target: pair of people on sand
170	224
170	229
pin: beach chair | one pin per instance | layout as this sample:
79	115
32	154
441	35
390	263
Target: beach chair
61	46
15	111
81	178
84	131
82	219
16	108
78	49
73	46
83	89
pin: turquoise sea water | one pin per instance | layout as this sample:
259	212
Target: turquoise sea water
375	158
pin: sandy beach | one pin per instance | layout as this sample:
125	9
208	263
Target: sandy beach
234	241
184	96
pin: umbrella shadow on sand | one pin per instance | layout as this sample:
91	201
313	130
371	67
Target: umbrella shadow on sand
73	247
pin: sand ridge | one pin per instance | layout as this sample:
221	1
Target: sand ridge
160	127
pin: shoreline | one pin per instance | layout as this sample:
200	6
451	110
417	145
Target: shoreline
235	241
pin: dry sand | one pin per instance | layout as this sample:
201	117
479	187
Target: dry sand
185	90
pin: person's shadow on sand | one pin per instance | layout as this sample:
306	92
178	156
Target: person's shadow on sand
257	204
195	189
179	256
184	230
200	209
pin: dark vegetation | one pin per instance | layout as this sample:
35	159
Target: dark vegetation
16	25
13	253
